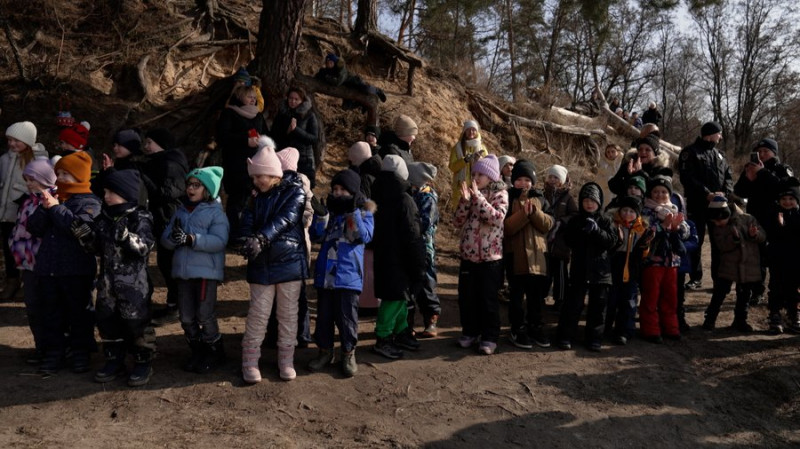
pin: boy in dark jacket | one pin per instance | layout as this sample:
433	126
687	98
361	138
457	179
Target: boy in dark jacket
591	237
123	237
784	247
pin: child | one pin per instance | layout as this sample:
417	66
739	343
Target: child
366	164
420	174
64	271
273	241
561	205
784	247
506	164
736	236
658	307
635	186
338	275
480	213
38	175
625	267
197	235
691	245
22	148
399	257
468	150
591	237
525	229
123	237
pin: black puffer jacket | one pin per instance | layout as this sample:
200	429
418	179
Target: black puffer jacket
703	169
233	132
399	248
304	136
164	176
591	252
763	191
391	144
278	216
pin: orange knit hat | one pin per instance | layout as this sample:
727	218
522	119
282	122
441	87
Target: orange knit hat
78	164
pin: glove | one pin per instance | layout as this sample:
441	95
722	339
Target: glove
121	233
252	246
179	237
590	226
82	231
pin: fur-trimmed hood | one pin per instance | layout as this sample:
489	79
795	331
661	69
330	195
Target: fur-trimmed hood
661	159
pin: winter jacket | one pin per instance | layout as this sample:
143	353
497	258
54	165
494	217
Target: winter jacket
12	184
368	170
60	253
205	259
461	169
277	215
340	263
666	248
391	144
480	220
591	251
651	115
164	177
304	137
526	235
703	169
784	245
123	283
762	191
692	243
399	262
23	245
233	132
561	205
659	166
626	260
739	256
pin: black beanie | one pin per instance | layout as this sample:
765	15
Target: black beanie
348	179
630	201
523	167
651	140
710	128
372	129
659	180
162	137
125	183
769	144
790	187
592	191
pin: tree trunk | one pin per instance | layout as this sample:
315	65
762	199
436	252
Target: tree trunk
407	22
511	55
366	17
280	27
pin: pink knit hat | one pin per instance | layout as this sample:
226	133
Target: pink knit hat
359	152
289	157
265	162
488	166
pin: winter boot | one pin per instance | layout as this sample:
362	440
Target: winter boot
213	357
386	348
250	372
430	327
198	352
142	367
324	358
52	362
9	289
349	366
407	340
711	321
286	362
114	353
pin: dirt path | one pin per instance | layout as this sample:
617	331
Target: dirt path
718	389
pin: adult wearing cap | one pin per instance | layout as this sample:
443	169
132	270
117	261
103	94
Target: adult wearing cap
760	183
704	173
399	140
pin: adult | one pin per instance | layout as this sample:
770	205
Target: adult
238	128
468	150
646	160
704	173
652	114
760	182
398	141
334	73
295	125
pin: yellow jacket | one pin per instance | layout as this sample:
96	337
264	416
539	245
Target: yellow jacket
461	169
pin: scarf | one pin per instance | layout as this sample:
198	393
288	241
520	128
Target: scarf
67	189
247	111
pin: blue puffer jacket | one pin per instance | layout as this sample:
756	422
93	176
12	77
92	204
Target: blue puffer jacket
60	253
208	224
344	238
278	216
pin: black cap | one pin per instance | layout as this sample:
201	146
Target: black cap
710	128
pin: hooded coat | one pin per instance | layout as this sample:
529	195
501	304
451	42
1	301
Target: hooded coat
303	137
526	235
739	256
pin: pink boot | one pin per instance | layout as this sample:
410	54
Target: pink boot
286	362
250	371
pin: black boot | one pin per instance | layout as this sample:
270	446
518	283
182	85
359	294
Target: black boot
114	353
80	361
213	358
196	358
142	368
52	361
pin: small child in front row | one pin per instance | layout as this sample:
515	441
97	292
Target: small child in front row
525	230
123	237
784	246
339	271
592	237
198	233
736	236
562	206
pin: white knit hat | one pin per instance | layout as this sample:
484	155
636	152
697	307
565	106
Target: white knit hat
471	124
358	153
25	132
559	172
396	164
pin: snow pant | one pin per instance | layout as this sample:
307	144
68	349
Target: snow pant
658	307
528	289
681	293
261	299
621	309
197	300
392	316
559	277
573	307
337	307
33	308
8	258
135	334
478	305
721	289
68	313
303	320
164	258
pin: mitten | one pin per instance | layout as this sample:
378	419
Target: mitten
590	226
